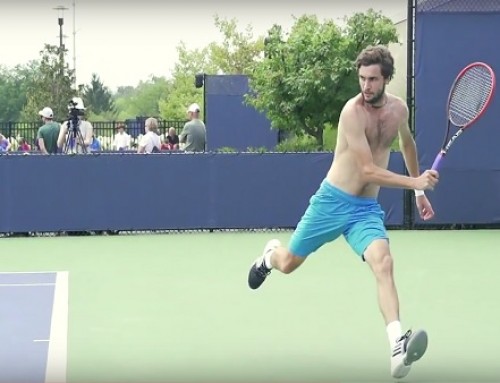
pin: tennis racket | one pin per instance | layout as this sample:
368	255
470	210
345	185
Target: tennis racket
470	95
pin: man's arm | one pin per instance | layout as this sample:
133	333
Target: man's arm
41	145
408	146
184	133
352	125
62	135
88	135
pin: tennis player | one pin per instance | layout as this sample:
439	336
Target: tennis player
346	202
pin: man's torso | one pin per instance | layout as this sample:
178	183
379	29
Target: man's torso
381	129
50	132
195	141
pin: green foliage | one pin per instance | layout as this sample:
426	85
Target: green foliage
235	55
239	50
13	86
260	149
98	98
143	100
307	76
303	143
183	92
227	149
51	85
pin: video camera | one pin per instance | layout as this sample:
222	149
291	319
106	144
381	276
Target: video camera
75	109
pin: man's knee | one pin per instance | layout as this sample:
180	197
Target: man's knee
378	256
290	263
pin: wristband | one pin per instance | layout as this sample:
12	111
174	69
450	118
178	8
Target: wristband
419	193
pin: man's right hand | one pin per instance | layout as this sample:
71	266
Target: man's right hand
427	180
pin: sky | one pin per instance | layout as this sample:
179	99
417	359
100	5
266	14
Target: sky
127	41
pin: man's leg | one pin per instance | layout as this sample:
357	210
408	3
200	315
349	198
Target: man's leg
406	348
275	256
378	256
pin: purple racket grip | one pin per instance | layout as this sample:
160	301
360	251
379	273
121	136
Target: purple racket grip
437	161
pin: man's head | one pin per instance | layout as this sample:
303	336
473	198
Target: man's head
46	114
193	111
375	66
121	128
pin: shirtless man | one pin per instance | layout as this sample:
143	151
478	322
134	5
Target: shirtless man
346	202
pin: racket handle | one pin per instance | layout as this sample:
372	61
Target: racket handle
437	161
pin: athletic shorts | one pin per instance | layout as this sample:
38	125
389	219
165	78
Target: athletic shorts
333	212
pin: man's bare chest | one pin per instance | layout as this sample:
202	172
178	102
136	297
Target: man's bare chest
381	131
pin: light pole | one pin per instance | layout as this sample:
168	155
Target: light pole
60	10
74	43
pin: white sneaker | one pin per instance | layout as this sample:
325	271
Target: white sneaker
259	271
408	349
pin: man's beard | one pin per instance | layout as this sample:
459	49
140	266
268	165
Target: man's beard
377	97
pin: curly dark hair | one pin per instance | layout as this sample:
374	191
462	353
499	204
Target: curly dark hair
378	54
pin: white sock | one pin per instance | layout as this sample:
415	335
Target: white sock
393	332
267	259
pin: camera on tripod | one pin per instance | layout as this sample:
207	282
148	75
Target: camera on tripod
75	138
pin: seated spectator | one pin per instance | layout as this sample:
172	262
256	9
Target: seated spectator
172	139
95	146
122	139
24	146
4	144
150	142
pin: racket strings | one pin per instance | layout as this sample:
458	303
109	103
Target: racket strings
470	95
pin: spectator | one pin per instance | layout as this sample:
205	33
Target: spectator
194	133
24	146
172	140
122	139
48	132
150	142
95	146
4	144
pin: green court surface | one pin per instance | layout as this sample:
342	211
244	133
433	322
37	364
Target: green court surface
176	308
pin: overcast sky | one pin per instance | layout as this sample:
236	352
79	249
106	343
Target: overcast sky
128	41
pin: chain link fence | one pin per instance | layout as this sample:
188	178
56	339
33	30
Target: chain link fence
448	6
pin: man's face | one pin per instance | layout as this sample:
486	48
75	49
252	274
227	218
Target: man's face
371	83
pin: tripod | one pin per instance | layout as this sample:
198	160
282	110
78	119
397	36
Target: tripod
74	138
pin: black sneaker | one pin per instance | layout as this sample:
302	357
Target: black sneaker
259	271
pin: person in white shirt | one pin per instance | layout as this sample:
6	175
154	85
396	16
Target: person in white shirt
150	142
122	139
69	140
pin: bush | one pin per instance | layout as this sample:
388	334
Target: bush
298	144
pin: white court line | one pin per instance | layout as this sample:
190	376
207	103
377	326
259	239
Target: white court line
28	272
27	284
57	356
41	340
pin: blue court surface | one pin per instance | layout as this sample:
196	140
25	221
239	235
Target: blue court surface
33	330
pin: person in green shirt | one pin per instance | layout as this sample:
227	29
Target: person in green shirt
48	133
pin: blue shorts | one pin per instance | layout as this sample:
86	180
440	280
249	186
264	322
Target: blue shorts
331	213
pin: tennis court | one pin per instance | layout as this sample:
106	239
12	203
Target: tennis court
176	307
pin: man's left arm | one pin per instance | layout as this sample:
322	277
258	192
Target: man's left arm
409	151
88	134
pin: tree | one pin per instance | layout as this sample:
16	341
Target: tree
304	80
97	98
144	100
50	86
238	51
183	91
13	86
